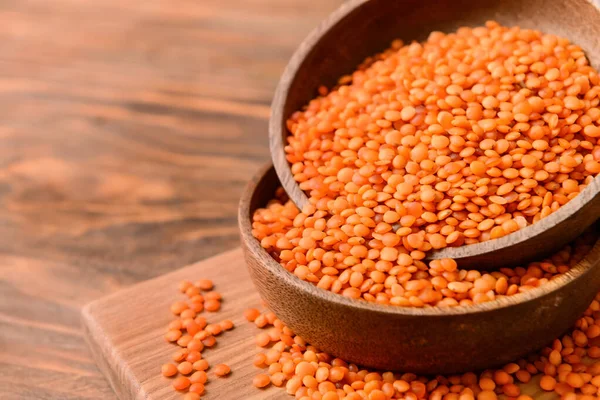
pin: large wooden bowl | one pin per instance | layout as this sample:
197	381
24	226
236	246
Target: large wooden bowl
421	340
362	28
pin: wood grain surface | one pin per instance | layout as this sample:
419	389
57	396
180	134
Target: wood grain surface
128	130
126	332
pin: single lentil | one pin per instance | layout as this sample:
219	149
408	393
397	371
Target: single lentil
191	395
185	368
205	284
261	380
222	369
181	383
251	314
197	388
169	370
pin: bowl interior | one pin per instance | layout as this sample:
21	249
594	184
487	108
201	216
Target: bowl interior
361	28
262	189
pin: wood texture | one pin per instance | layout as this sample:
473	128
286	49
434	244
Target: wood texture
422	340
361	28
129	129
126	332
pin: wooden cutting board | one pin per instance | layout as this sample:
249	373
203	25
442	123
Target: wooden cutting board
125	333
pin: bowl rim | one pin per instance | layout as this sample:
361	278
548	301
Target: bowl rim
276	144
287	78
268	262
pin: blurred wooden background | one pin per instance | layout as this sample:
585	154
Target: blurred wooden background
127	132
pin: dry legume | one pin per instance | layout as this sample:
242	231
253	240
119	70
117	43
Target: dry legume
405	281
193	333
181	383
569	367
169	370
222	369
191	395
261	380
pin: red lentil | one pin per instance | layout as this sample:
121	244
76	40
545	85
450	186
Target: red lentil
210	341
199	377
169	370
173	335
181	383
212	305
193	333
261	380
205	284
227	325
436	284
222	370
191	395
200	365
178	307
303	370
180	355
251	314
185	368
196	388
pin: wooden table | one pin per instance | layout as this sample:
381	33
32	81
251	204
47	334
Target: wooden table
128	129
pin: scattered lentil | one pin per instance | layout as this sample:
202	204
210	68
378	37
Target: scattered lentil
205	284
185	368
212	305
222	370
181	383
201	365
193	333
305	371
251	314
169	370
191	395
261	380
197	388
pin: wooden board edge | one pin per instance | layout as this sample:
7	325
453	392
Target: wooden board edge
96	343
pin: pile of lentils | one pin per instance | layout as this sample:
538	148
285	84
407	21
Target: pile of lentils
193	333
569	367
464	138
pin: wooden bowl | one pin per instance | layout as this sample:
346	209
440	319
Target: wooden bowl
420	340
361	28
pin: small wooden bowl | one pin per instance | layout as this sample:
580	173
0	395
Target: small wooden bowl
362	28
420	340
